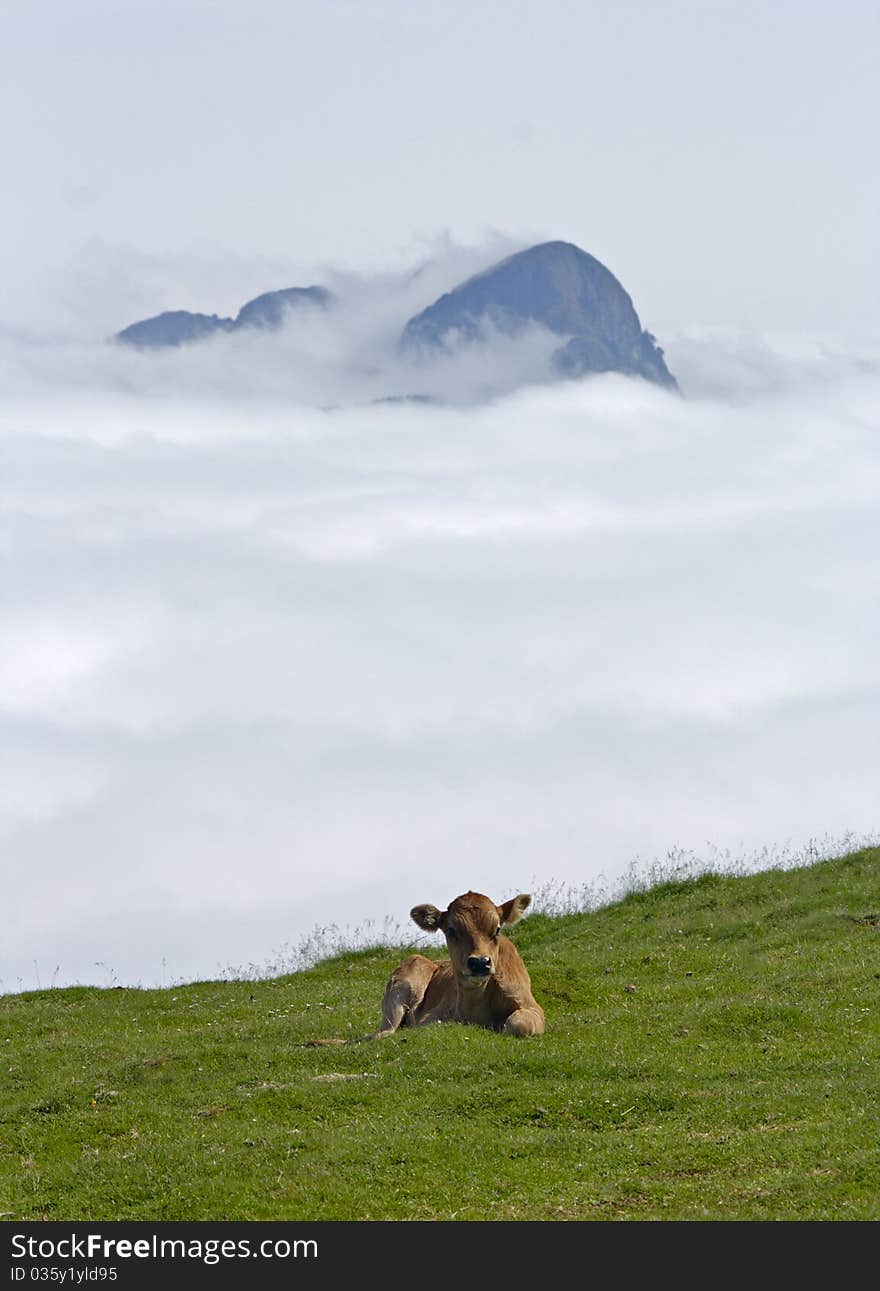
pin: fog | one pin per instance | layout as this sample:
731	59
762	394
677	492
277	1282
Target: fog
345	354
276	655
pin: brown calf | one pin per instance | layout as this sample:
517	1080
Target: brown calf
484	981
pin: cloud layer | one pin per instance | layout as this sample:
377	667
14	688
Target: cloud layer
267	662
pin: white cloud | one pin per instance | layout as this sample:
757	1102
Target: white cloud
264	664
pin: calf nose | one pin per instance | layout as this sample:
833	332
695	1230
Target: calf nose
480	965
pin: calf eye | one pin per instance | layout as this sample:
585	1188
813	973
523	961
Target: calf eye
496	934
451	934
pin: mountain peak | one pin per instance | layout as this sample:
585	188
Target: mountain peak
270	309
179	327
555	285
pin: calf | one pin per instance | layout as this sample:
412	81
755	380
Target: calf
484	981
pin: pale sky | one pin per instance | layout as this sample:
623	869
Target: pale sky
719	157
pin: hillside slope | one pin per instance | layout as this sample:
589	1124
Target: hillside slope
712	1051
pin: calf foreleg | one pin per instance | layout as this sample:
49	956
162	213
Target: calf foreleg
525	1021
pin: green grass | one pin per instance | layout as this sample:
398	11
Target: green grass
738	1079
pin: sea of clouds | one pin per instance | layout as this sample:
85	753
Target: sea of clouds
274	654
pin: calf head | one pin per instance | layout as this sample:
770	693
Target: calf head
472	927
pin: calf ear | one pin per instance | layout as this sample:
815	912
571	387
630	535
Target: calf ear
427	917
514	909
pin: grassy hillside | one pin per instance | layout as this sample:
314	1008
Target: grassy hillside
713	1050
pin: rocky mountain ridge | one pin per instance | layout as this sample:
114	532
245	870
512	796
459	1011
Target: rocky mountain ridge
554	285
